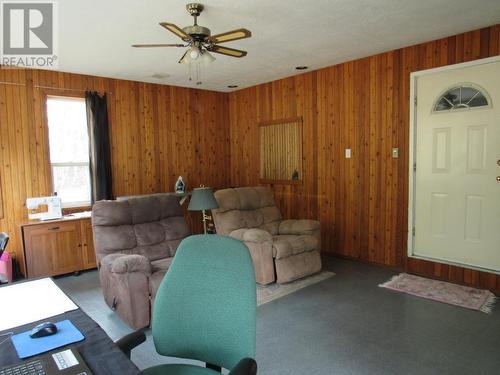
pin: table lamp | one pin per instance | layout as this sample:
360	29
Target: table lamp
202	199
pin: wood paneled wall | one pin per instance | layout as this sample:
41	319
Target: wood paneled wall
157	133
362	105
160	132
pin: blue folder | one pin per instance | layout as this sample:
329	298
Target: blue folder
66	334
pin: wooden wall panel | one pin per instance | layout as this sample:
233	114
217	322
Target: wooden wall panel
362	105
157	133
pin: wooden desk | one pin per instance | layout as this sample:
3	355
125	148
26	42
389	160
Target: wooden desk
56	247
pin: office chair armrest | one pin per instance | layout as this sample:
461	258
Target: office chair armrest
130	341
247	366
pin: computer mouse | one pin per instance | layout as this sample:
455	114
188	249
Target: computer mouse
42	330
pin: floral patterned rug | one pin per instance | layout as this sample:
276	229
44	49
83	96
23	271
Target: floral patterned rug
441	291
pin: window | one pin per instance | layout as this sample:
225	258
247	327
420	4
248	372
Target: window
464	96
281	151
69	149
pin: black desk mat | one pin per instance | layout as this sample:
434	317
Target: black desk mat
97	349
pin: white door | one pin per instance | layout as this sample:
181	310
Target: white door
456	201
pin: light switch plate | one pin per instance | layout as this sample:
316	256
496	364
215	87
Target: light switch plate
347	153
395	152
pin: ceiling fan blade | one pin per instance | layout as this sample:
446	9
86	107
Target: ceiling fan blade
230	35
177	31
157	45
227	51
182	58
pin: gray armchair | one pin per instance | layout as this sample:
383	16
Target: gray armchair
134	242
281	250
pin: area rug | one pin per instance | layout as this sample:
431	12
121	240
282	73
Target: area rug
441	291
271	292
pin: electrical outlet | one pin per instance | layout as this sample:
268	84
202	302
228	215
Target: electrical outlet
347	153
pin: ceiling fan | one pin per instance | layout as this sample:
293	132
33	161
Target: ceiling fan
199	39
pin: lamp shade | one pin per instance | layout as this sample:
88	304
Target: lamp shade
202	199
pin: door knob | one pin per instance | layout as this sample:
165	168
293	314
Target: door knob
498	178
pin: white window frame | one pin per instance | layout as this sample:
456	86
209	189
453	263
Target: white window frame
74	204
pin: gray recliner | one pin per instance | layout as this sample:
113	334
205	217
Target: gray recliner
281	250
135	241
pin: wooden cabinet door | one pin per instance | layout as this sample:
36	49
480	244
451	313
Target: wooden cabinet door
88	253
53	248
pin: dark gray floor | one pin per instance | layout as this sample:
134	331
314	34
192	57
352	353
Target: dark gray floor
346	325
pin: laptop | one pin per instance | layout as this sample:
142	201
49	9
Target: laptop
64	362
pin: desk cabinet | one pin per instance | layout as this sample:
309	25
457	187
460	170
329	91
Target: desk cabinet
58	247
87	242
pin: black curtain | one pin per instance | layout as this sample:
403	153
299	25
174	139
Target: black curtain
99	146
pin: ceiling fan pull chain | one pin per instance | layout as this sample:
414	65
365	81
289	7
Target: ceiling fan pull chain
198	80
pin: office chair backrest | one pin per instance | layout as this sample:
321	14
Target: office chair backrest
4	239
205	306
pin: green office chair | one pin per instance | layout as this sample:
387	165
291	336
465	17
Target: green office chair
205	308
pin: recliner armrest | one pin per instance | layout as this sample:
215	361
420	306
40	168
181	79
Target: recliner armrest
123	263
247	366
298	227
251	235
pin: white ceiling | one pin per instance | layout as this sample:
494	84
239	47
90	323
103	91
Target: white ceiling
95	35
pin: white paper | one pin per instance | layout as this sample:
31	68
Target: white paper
30	301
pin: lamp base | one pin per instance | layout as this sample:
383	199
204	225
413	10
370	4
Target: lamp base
205	218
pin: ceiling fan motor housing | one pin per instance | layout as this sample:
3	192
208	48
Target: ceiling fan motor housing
199	33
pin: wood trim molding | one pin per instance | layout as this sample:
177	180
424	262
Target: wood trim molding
281	121
1	198
280	182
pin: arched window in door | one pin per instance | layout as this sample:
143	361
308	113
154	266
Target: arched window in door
462	96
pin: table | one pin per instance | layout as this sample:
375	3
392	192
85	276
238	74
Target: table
99	352
56	247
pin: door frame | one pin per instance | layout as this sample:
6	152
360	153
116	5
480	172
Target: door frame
412	156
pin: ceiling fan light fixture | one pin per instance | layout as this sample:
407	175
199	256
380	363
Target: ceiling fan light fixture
191	56
199	41
207	58
194	53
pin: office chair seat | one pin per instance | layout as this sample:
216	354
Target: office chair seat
178	369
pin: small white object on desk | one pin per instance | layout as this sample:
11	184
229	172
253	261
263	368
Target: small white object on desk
54	208
31	301
65	359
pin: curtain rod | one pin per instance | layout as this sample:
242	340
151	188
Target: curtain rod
12	83
53	88
67	89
